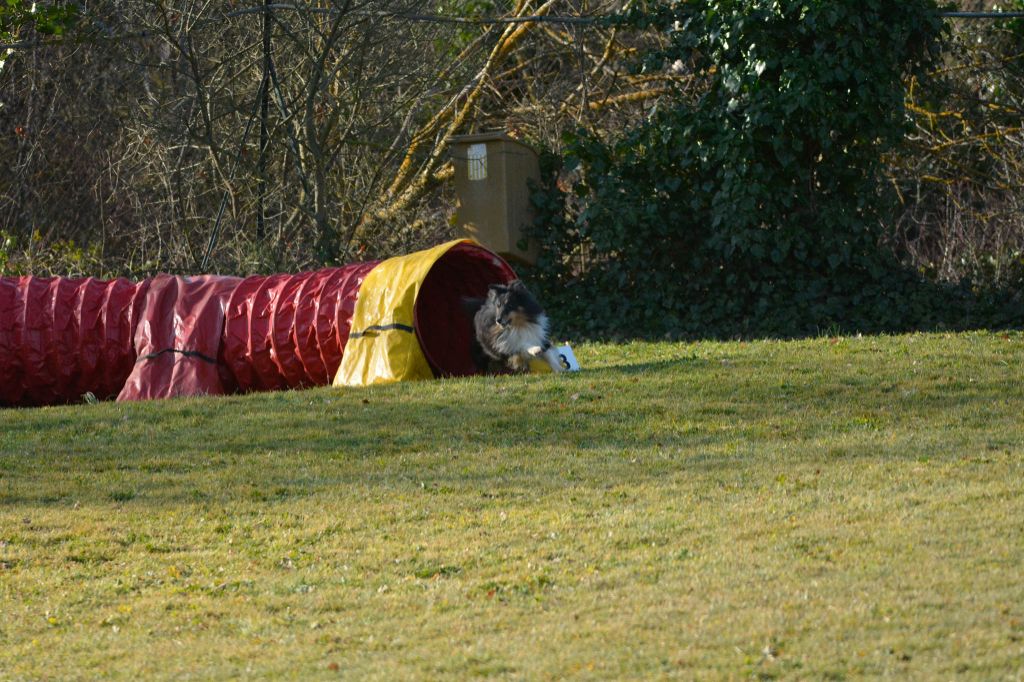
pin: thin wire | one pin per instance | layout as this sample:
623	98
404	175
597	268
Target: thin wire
533	18
427	18
540	18
433	18
983	15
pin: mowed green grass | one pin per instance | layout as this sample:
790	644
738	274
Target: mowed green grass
825	509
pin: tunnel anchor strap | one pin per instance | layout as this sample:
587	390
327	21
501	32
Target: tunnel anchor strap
372	330
186	353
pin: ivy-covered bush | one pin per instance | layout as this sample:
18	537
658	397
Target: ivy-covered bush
757	207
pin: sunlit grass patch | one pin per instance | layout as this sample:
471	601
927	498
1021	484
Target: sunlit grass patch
829	508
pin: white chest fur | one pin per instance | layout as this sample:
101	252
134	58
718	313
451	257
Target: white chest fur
519	339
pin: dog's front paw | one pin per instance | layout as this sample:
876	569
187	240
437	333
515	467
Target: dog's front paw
535	351
519	364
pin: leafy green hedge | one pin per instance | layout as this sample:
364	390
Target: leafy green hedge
758	207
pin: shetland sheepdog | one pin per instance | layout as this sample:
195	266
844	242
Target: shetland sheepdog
510	328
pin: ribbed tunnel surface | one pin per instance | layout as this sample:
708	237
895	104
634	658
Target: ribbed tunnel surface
61	338
289	331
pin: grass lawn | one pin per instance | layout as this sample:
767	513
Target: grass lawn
828	509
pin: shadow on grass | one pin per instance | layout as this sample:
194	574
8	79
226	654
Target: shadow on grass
655	367
503	436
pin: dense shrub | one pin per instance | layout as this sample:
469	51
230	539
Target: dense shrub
757	207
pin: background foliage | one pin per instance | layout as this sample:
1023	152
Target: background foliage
723	167
960	170
757	206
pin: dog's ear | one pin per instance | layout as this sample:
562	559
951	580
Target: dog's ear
471	305
518	287
496	290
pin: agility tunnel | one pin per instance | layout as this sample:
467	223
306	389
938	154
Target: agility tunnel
361	324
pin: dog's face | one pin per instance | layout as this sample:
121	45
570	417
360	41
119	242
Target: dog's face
513	304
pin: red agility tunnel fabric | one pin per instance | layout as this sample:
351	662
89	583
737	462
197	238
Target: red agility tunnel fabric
172	336
289	331
61	338
178	339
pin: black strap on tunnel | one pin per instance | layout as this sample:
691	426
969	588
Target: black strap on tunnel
372	330
186	353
